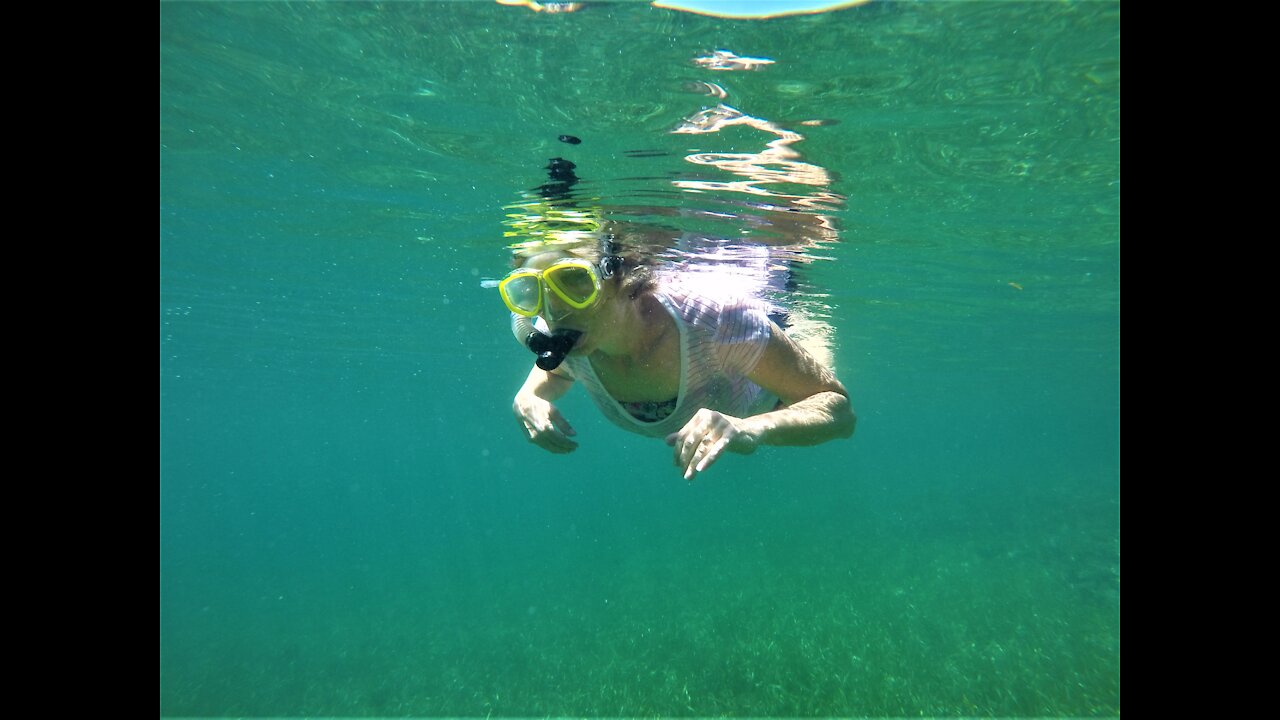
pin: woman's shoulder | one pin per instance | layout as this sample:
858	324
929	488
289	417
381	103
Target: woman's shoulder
710	295
719	310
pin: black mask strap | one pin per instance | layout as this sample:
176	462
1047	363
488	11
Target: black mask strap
610	262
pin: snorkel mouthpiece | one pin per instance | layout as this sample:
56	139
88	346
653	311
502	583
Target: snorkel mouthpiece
552	348
549	347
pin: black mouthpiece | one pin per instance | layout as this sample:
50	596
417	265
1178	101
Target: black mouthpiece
552	348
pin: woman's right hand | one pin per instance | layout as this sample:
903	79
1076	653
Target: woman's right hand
543	424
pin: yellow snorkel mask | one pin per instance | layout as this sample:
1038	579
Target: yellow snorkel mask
573	281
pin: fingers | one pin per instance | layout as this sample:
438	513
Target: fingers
548	430
705	453
560	423
701	442
550	438
713	453
688	451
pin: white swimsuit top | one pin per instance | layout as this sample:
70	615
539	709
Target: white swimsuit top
721	341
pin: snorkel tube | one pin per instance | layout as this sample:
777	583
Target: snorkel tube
550	349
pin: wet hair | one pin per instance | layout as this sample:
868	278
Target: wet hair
633	277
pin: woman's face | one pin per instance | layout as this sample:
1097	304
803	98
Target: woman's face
555	311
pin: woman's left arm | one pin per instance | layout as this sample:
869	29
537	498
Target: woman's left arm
815	409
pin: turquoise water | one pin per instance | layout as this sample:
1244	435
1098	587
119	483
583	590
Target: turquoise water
350	521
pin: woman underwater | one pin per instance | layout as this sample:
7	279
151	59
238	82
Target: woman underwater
705	367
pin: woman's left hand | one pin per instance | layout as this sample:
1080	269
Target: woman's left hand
708	435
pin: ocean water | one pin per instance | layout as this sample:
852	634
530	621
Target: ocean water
350	521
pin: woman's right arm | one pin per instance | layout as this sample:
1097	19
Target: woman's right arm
542	423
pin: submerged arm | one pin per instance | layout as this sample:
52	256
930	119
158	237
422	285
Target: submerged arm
816	405
540	420
815	409
814	420
546	385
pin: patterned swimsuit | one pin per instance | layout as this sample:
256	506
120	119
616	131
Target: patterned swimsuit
722	337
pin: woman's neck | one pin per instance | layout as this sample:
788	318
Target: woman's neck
630	326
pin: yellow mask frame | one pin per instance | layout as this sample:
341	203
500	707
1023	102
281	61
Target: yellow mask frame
574	281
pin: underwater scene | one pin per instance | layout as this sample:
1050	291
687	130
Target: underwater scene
354	523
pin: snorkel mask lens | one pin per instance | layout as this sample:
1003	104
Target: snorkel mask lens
522	292
575	282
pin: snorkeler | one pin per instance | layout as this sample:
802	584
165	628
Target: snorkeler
705	368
